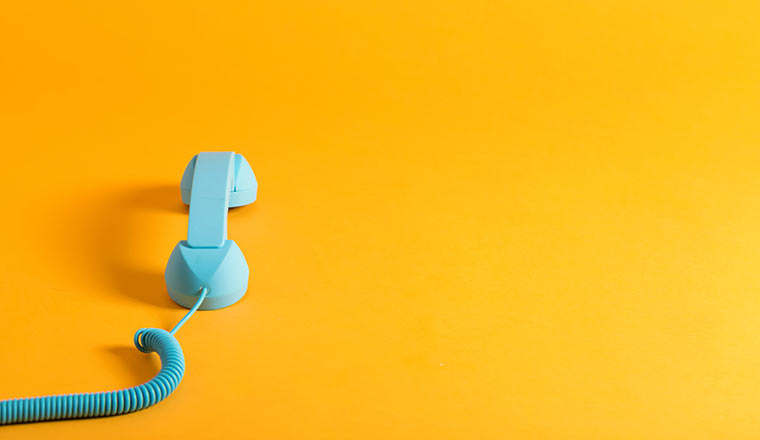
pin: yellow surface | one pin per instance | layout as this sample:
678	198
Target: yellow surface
476	220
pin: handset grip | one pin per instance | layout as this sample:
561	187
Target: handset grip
210	199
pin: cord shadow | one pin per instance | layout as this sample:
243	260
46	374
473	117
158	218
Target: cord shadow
138	366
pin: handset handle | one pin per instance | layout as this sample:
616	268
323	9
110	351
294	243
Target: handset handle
210	199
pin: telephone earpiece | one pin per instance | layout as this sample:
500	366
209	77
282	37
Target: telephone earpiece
244	184
211	184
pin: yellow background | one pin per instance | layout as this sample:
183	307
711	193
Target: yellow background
476	219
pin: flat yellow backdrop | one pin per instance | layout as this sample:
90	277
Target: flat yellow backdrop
476	219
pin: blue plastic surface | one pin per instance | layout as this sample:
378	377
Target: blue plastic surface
212	183
245	186
107	403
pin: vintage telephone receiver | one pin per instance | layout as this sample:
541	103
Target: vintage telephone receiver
207	272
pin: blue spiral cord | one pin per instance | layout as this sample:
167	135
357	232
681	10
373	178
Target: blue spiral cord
111	403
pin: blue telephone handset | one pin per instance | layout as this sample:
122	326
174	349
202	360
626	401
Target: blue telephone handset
207	272
212	183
